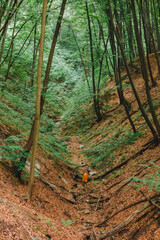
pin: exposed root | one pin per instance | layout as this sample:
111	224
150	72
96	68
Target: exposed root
55	188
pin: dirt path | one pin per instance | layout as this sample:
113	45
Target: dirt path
76	147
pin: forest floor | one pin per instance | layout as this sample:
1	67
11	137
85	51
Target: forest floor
63	207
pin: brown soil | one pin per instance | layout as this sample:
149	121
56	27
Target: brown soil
68	209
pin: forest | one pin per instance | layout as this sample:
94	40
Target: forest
79	119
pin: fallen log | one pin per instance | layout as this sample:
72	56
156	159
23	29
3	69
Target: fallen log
125	223
127	207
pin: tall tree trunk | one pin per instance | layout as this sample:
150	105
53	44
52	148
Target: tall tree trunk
96	103
38	98
143	68
11	14
35	48
130	78
114	56
11	61
156	25
29	143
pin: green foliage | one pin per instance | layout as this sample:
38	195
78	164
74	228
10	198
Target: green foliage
67	223
152	180
103	153
12	151
133	137
17	114
67	94
12	109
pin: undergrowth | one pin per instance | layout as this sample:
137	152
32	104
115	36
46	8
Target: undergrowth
17	114
103	152
152	180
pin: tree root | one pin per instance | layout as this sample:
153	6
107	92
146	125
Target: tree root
55	188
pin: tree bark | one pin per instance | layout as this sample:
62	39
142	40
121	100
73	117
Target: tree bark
96	103
143	68
29	143
35	48
2	30
38	98
130	78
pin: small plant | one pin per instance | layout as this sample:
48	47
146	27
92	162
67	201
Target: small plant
67	223
122	158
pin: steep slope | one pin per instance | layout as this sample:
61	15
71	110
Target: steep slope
62	207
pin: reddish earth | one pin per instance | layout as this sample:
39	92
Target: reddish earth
62	207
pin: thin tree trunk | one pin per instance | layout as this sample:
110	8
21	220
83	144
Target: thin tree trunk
13	40
130	78
143	12
130	33
3	9
12	61
3	43
143	68
2	30
96	103
114	56
125	103
35	48
150	31
12	47
29	143
38	98
4	36
156	25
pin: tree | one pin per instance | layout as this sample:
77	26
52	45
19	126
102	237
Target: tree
38	98
95	95
144	68
130	78
29	143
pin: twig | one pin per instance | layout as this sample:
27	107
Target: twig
94	234
27	232
150	200
97	203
